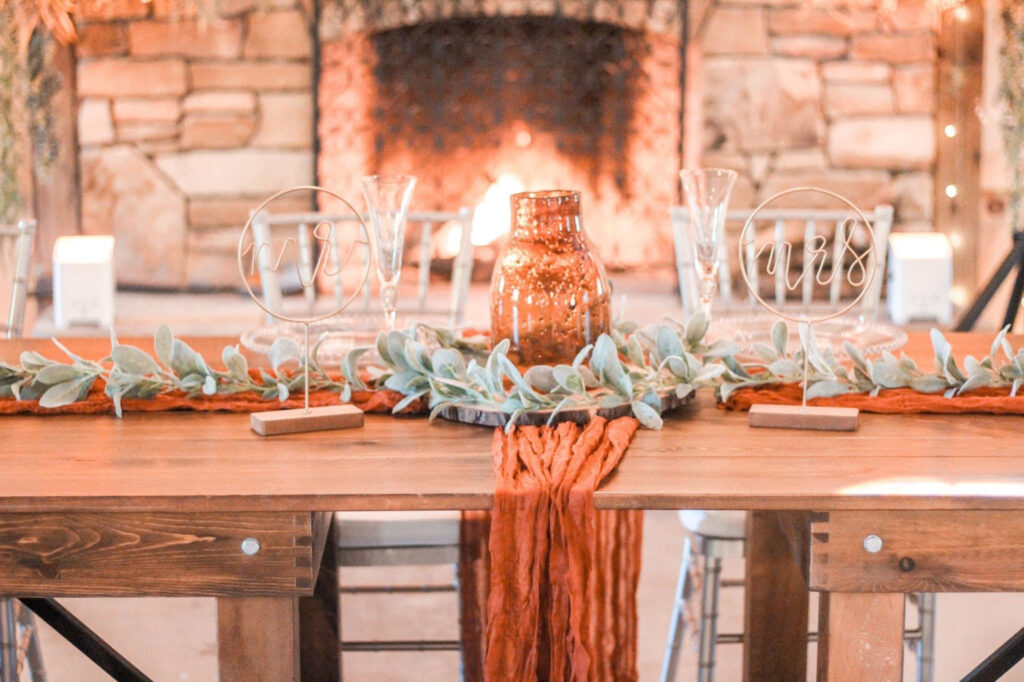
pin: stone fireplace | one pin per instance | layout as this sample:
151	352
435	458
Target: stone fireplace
187	120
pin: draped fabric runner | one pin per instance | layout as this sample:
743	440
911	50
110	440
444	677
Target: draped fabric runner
563	576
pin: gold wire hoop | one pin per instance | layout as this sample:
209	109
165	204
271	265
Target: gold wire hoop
248	228
805	319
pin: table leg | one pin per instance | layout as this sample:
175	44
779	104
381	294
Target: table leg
319	620
861	637
775	617
258	638
285	638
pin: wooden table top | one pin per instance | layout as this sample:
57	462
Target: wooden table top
703	458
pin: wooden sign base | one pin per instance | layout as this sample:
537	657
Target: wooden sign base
301	421
810	418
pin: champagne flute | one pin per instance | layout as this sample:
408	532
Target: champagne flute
706	192
388	198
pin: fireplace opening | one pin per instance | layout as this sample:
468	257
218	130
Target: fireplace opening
483	105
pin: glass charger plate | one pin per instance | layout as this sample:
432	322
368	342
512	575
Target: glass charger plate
344	332
871	337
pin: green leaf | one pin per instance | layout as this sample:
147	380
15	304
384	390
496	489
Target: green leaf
408	400
646	415
56	374
282	392
582	355
887	376
929	383
132	360
65	393
696	329
163	343
826	389
238	366
668	343
281	351
780	337
541	377
942	348
210	385
448	363
766	353
569	378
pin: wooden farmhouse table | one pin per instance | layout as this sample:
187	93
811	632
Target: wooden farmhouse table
196	504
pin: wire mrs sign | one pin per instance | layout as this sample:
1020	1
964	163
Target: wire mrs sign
825	264
334	253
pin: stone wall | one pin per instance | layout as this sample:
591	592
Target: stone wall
794	95
185	123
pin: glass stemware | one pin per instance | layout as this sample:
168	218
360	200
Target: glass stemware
706	192
388	198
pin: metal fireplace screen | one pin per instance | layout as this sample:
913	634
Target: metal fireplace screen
555	100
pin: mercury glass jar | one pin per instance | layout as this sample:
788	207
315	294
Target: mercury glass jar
549	292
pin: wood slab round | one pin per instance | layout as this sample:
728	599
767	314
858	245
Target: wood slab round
492	416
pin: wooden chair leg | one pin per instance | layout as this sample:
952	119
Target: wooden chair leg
860	637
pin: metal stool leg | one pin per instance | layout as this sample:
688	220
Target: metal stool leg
34	654
8	642
926	645
677	627
709	615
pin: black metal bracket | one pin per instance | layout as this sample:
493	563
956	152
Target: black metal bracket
1000	661
84	639
1014	259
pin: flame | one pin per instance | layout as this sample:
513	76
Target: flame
493	217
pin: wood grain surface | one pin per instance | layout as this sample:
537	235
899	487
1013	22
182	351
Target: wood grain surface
964	551
110	554
704	458
860	637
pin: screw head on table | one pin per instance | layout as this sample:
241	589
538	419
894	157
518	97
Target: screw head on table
873	544
250	546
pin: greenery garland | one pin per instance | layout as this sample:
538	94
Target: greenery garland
631	366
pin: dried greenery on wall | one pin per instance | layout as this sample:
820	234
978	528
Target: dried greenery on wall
27	87
1012	65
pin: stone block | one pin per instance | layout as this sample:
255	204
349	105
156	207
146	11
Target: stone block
236	102
279	35
251	75
895	48
856	72
224	212
857	99
810	20
101	40
800	159
205	130
165	109
190	38
915	89
905	142
736	30
124	194
138	131
865	188
116	77
286	120
104	10
762	105
215	173
95	125
811	47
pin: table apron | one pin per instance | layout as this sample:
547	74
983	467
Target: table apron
916	551
165	554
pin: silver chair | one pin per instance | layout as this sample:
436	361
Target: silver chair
713	535
19	635
16	244
385	538
304	223
881	223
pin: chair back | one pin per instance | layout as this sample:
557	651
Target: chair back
881	224
303	223
16	243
